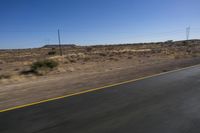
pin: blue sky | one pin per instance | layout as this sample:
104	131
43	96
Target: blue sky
33	23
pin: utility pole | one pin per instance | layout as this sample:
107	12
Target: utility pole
188	33
60	47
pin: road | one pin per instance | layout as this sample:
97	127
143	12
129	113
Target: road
168	103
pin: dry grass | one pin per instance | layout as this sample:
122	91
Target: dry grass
93	58
5	76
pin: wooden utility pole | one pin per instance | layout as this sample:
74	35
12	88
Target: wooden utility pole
59	41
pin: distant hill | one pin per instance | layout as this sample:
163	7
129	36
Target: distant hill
56	45
168	42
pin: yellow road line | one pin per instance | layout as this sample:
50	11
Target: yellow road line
95	89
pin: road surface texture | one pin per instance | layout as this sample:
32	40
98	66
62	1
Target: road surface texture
168	103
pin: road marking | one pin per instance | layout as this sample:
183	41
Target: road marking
95	89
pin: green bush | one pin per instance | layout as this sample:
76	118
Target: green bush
43	65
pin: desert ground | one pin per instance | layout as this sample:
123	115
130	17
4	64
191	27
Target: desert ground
23	80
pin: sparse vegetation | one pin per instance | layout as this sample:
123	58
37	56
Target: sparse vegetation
102	54
1	62
89	49
51	52
72	60
20	61
5	76
129	57
86	59
43	65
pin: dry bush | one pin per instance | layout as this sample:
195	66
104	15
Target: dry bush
2	62
72	60
102	54
41	67
114	59
180	55
52	53
5	76
86	59
129	57
89	49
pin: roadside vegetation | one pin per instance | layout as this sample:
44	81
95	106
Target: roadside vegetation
44	66
20	64
41	67
5	76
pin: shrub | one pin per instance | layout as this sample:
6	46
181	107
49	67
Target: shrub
5	76
102	54
89	49
115	59
41	67
51	52
72	60
129	57
1	62
86	59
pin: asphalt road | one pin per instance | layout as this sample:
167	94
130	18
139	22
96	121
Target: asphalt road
168	103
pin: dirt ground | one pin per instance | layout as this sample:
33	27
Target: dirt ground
82	68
